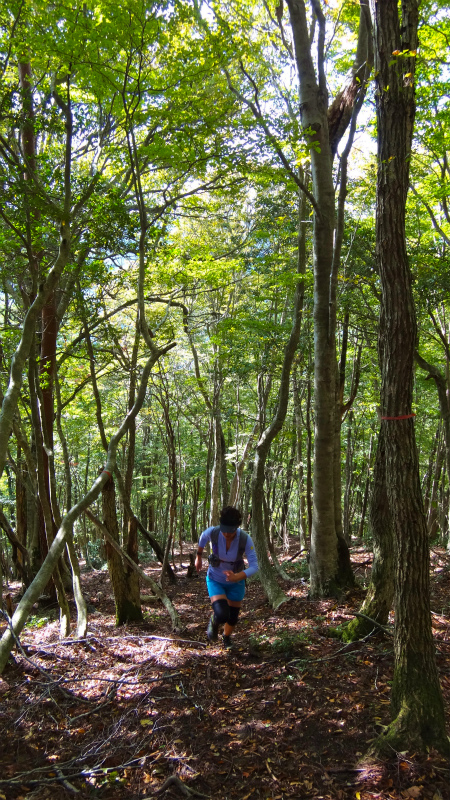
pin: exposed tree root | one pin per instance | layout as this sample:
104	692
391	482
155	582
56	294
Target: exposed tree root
408	731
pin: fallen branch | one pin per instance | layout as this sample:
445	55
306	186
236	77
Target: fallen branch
24	777
67	785
375	623
298	553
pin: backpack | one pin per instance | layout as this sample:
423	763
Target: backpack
215	561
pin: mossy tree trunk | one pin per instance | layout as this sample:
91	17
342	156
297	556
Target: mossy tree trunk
417	702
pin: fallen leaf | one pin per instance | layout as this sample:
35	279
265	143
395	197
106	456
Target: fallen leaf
413	791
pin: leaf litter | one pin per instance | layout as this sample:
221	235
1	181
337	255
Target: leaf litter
140	711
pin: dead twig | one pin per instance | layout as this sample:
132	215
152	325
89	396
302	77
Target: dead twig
158	639
118	680
333	655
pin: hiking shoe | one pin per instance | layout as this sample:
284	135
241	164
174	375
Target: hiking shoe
212	631
227	642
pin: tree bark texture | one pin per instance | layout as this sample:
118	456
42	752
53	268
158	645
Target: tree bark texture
417	702
127	609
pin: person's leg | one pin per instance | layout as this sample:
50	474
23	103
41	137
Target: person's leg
220	616
235	606
220	608
235	595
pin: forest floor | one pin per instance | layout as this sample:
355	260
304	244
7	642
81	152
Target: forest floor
138	711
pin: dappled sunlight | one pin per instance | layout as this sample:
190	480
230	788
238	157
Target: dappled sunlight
288	712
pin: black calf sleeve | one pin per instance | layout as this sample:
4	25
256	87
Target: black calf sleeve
234	613
221	611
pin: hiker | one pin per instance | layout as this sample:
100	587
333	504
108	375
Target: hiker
225	579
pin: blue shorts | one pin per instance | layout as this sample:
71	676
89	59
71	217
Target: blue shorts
233	591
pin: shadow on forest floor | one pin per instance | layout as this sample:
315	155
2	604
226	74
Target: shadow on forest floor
288	713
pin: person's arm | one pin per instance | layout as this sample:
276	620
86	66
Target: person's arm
234	576
251	558
203	541
198	560
252	564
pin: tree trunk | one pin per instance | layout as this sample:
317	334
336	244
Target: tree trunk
348	480
82	619
366	493
130	526
323	128
128	608
380	593
275	595
313	109
194	508
417	702
234	496
44	506
214	509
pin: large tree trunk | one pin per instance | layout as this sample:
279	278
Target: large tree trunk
417	703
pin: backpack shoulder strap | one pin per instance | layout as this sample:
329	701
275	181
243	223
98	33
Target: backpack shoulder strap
215	539
243	538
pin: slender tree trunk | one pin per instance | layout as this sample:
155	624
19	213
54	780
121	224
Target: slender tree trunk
313	105
130	525
286	494
215	474
44	498
194	509
366	492
309	449
275	595
348	480
80	602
